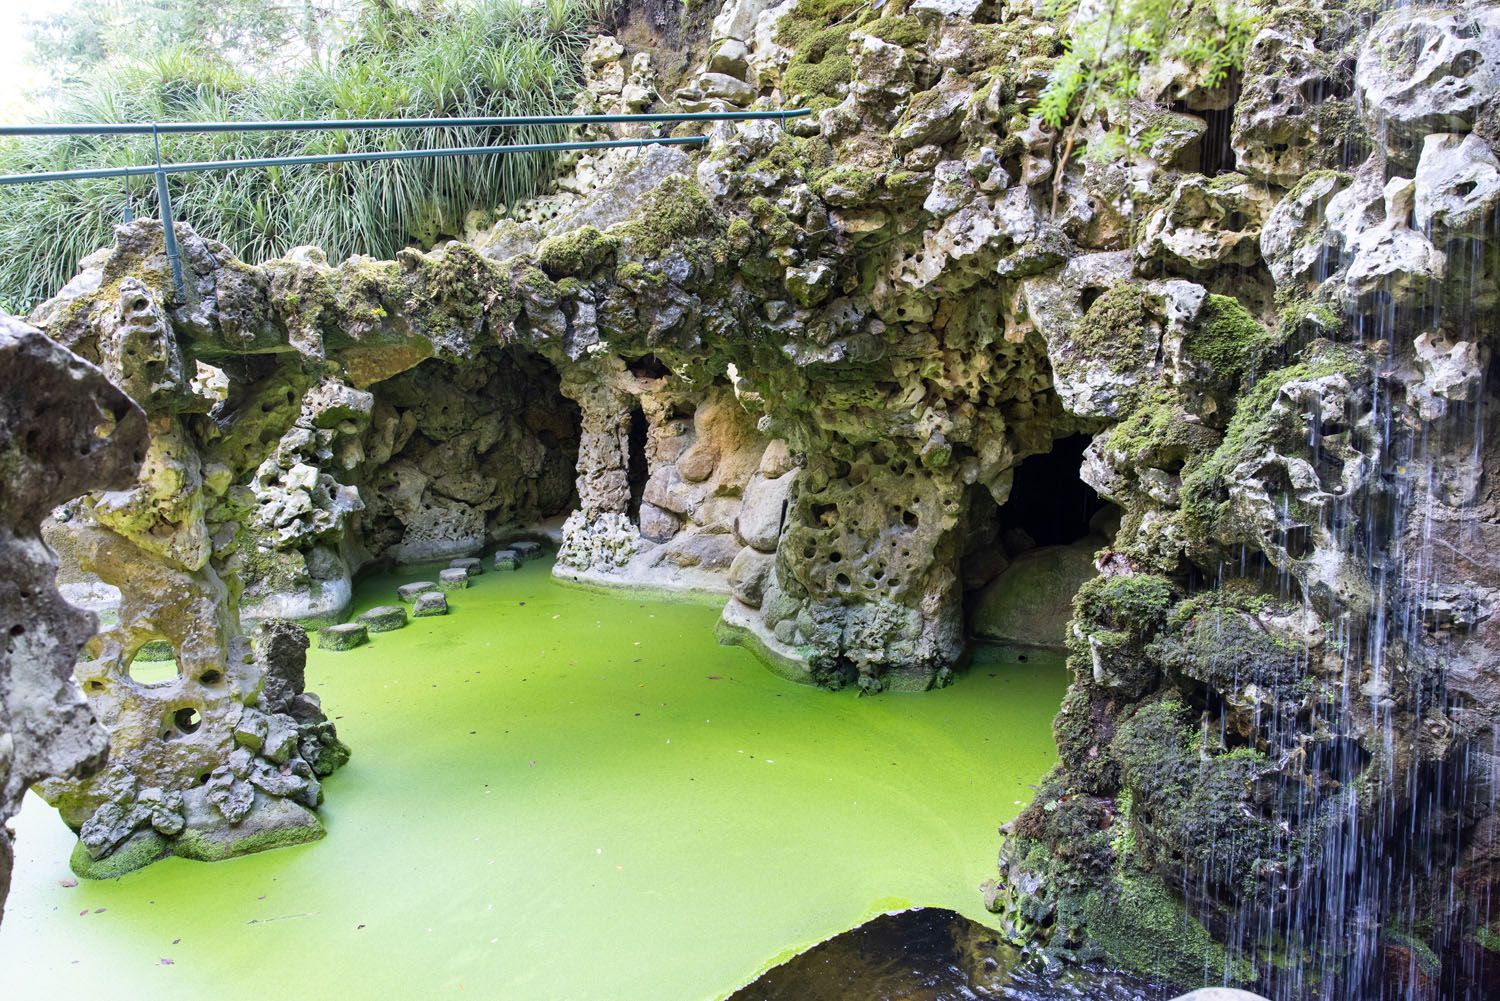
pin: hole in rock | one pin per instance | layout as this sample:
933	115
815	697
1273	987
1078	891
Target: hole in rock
1048	530
153	664
210	677
636	470
1216	155
187	719
648	367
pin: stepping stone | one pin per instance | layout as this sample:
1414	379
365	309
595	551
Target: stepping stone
470	563
342	637
454	580
526	549
408	592
430	603
384	618
506	559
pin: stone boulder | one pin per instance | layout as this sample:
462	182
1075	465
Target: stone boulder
1031	602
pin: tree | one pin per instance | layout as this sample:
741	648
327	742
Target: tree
258	34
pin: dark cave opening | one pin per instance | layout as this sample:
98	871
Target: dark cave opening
1049	503
636	469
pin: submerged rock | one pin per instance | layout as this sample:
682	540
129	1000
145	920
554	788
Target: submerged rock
344	636
383	618
409	593
430	603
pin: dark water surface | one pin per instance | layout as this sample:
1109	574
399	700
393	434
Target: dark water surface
931	954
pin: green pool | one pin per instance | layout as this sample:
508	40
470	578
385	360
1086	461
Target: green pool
558	794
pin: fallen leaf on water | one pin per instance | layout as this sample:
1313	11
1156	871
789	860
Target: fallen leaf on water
715	677
176	940
69	883
166	962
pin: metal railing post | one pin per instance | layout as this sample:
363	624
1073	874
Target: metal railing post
168	221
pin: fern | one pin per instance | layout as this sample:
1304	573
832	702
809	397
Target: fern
1106	54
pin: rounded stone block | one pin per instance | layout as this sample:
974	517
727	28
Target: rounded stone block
430	603
342	637
409	592
383	618
526	549
453	580
507	559
469	564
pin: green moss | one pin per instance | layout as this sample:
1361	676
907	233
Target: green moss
903	30
1225	648
817	33
1251	430
1487	939
1314	177
192	845
139	850
1230	341
1116	326
1138	923
675	211
776	224
850	184
637	274
1137	603
1156	431
580	253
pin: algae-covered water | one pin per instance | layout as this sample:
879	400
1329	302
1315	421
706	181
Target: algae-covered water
557	794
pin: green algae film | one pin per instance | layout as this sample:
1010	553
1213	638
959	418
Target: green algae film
560	795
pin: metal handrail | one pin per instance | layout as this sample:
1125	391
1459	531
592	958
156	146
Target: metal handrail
160	170
133	170
329	125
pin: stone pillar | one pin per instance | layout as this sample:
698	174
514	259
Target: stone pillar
64	429
217	761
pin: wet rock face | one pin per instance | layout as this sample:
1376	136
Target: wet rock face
69	431
1275	661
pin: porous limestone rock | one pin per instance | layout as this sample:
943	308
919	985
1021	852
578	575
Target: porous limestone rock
64	429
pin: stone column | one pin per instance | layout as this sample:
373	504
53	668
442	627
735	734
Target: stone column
64	429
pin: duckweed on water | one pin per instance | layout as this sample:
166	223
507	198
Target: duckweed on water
557	794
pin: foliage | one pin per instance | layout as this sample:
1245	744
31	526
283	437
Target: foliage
1110	51
448	58
250	33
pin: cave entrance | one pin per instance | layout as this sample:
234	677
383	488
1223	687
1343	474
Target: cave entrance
637	470
1023	560
1049	503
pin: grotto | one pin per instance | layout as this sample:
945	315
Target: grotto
1018	527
